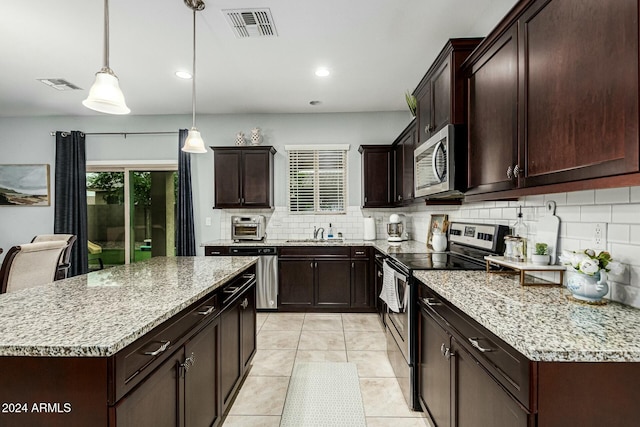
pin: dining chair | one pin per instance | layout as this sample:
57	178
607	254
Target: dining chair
30	264
65	261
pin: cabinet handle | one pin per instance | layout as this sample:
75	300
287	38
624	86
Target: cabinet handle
239	200
446	352
161	349
188	363
516	171
510	172
399	198
316	265
474	343
365	199
431	302
427	128
242	200
353	264
214	253
311	264
207	311
245	303
379	274
359	252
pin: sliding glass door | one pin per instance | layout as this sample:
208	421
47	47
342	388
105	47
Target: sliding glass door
131	213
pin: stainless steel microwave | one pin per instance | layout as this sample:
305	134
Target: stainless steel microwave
247	227
435	165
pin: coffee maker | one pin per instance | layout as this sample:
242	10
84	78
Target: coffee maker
396	228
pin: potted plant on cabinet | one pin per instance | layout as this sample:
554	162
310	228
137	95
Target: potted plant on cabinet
412	103
541	257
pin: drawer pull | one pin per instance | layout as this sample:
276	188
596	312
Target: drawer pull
245	303
207	311
161	349
431	302
231	290
359	252
474	342
446	352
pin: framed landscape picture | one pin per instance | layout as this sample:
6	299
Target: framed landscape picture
24	185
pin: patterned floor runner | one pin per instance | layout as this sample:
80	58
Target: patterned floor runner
323	394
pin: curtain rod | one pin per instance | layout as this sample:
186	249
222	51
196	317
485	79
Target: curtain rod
53	133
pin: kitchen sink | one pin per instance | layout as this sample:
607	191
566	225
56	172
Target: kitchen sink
315	241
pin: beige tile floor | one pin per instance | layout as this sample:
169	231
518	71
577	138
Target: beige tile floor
287	338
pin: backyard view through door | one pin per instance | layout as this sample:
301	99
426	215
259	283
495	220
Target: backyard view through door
131	215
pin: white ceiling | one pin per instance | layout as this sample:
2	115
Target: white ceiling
375	49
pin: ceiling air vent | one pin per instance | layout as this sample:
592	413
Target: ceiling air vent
59	84
251	22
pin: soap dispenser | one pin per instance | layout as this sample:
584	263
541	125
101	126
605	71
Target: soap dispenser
521	231
330	232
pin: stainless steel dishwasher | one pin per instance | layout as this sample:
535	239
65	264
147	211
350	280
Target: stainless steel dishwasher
266	272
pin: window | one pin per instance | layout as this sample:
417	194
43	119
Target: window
317	179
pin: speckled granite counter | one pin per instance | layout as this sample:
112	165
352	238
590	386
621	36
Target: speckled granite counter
540	321
409	246
100	313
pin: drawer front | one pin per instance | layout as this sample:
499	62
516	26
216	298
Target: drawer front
315	251
509	367
216	250
142	356
360	252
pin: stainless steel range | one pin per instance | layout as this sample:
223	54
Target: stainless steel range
468	244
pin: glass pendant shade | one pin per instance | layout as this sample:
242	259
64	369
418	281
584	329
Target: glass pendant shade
105	95
194	142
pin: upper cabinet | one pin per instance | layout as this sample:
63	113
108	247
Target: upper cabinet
441	92
403	154
243	177
553	99
377	175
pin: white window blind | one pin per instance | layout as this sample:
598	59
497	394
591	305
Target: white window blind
317	180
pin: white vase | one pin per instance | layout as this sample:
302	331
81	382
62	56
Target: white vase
256	138
587	288
540	259
240	139
439	241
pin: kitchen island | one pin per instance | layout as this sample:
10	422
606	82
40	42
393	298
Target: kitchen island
114	347
531	354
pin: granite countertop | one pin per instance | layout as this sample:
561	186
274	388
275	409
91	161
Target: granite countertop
409	246
541	322
100	313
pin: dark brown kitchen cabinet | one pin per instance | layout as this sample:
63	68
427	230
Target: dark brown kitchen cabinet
403	148
324	278
493	118
553	100
377	175
237	343
243	177
441	92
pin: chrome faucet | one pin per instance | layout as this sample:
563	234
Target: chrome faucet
316	231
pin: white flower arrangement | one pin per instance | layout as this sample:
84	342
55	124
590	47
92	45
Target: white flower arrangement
590	263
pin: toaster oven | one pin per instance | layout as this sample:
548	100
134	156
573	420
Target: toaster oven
247	228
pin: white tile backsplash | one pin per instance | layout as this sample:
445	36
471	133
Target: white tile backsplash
586	197
612	195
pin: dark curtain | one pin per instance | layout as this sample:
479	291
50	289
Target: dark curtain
185	234
70	215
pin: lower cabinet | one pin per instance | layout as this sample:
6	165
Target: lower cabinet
325	279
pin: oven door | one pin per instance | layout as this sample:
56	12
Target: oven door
398	323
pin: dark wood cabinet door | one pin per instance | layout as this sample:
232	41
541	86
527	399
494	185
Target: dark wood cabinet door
408	143
157	401
377	176
230	352
295	283
256	178
479	400
398	159
201	402
441	96
424	113
434	371
248	314
579	87
333	283
361	284
493	119
378	278
227	167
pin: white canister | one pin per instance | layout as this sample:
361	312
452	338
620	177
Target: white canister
439	241
369	228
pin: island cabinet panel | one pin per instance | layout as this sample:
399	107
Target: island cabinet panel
553	100
230	355
156	401
35	396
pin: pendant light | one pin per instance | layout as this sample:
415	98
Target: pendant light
105	95
194	142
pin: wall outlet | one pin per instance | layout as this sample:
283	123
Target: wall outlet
600	236
207	221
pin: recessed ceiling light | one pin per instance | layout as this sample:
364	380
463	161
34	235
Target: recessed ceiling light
183	74
315	102
322	72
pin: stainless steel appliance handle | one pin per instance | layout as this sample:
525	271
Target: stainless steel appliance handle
434	159
474	342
